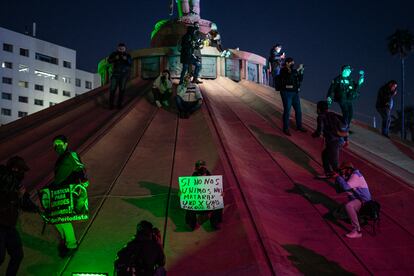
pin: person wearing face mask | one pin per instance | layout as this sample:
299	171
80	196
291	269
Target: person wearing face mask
288	83
121	63
161	88
344	90
13	197
69	169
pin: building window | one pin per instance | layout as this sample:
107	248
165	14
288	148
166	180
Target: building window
67	64
66	93
46	58
8	47
22	114
6	96
40	73
88	85
7	65
23	68
78	83
38	87
7	80
38	102
23	99
51	104
23	84
24	52
66	79
6	112
53	90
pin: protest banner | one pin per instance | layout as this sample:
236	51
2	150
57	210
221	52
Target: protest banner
201	192
64	203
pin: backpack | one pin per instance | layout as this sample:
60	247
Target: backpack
370	211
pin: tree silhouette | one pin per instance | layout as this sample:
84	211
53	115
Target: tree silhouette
401	43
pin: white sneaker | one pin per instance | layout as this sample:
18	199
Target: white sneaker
354	234
158	103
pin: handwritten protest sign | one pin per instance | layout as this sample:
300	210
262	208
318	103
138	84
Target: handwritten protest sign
201	192
65	203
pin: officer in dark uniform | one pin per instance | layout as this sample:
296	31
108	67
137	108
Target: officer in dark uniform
11	201
121	68
344	90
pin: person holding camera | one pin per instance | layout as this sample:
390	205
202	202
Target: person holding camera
288	83
276	60
344	90
121	68
161	88
191	44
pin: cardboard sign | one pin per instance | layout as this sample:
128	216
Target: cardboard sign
64	203
201	192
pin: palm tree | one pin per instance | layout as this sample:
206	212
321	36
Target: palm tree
401	43
396	124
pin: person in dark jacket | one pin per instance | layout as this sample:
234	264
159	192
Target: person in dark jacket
69	169
121	63
191	43
276	60
344	90
353	182
11	200
143	255
215	215
385	104
335	133
288	83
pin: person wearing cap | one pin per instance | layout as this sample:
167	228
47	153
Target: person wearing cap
353	182
12	198
69	169
335	133
121	68
385	104
161	88
344	90
288	83
200	169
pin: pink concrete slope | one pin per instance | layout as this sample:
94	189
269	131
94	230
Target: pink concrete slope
388	253
295	236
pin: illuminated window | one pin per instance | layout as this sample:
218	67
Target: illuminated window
66	79
46	58
8	47
67	64
44	74
6	96
7	80
23	68
7	65
88	85
24	52
22	114
38	102
6	112
38	87
24	84
53	90
23	99
66	93
78	82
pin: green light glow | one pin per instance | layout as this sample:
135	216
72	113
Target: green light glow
158	26
88	274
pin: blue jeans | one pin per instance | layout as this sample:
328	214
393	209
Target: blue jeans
290	99
197	65
386	120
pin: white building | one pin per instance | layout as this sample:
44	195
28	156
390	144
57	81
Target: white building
36	74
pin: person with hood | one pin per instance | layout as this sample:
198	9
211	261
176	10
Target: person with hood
385	104
13	197
121	63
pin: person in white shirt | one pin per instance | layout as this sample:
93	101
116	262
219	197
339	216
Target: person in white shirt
161	89
188	98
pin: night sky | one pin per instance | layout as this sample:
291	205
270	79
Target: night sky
322	34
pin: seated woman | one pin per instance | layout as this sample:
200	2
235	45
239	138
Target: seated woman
188	98
161	89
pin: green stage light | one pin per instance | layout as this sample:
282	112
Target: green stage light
89	274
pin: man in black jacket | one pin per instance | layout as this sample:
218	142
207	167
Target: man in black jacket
288	83
385	103
191	44
121	67
11	201
344	90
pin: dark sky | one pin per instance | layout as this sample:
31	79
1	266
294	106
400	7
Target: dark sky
322	34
